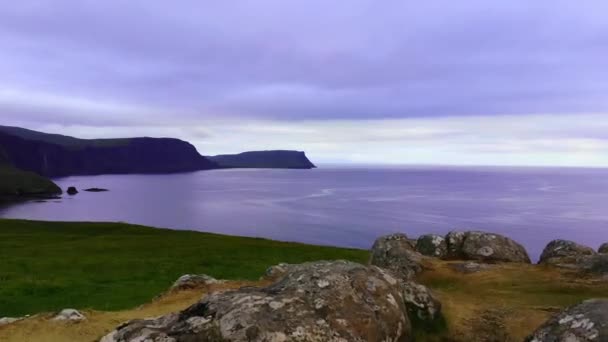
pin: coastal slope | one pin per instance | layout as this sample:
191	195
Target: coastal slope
53	155
15	183
278	159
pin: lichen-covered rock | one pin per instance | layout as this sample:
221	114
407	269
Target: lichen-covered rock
587	321
396	253
563	252
275	272
599	264
420	302
603	248
432	245
69	315
192	281
490	247
485	247
320	301
454	241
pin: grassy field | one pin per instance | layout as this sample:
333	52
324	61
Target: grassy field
46	266
16	182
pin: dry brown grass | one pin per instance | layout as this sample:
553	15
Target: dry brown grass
41	328
506	302
502	304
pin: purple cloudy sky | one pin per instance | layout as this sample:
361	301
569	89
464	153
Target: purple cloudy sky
442	82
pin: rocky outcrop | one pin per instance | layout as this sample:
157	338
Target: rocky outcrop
320	301
96	190
69	315
603	248
278	159
72	190
71	156
397	254
193	281
420	302
432	245
484	247
587	321
454	241
564	252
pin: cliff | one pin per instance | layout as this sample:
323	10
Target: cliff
279	159
56	155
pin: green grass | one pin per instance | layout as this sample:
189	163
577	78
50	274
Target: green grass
16	182
46	266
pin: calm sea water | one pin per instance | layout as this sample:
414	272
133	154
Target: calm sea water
348	206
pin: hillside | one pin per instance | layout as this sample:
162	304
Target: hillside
281	159
59	139
16	184
111	266
56	155
135	265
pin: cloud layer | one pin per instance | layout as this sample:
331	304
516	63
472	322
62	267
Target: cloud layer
439	77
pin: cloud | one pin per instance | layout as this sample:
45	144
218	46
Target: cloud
436	73
535	140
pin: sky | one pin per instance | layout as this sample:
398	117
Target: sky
471	82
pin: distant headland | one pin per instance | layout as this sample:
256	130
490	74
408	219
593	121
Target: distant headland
29	156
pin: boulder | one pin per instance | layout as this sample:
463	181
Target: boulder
318	301
420	302
484	247
72	190
397	254
192	281
599	264
587	321
275	272
432	245
603	248
563	252
454	241
69	315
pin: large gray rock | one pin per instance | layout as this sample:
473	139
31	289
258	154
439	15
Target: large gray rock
432	245
587	321
485	247
72	315
397	254
192	281
320	301
603	248
454	241
420	302
563	252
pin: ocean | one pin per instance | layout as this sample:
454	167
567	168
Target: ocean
347	206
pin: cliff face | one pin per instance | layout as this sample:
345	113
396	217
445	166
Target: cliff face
108	156
279	159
